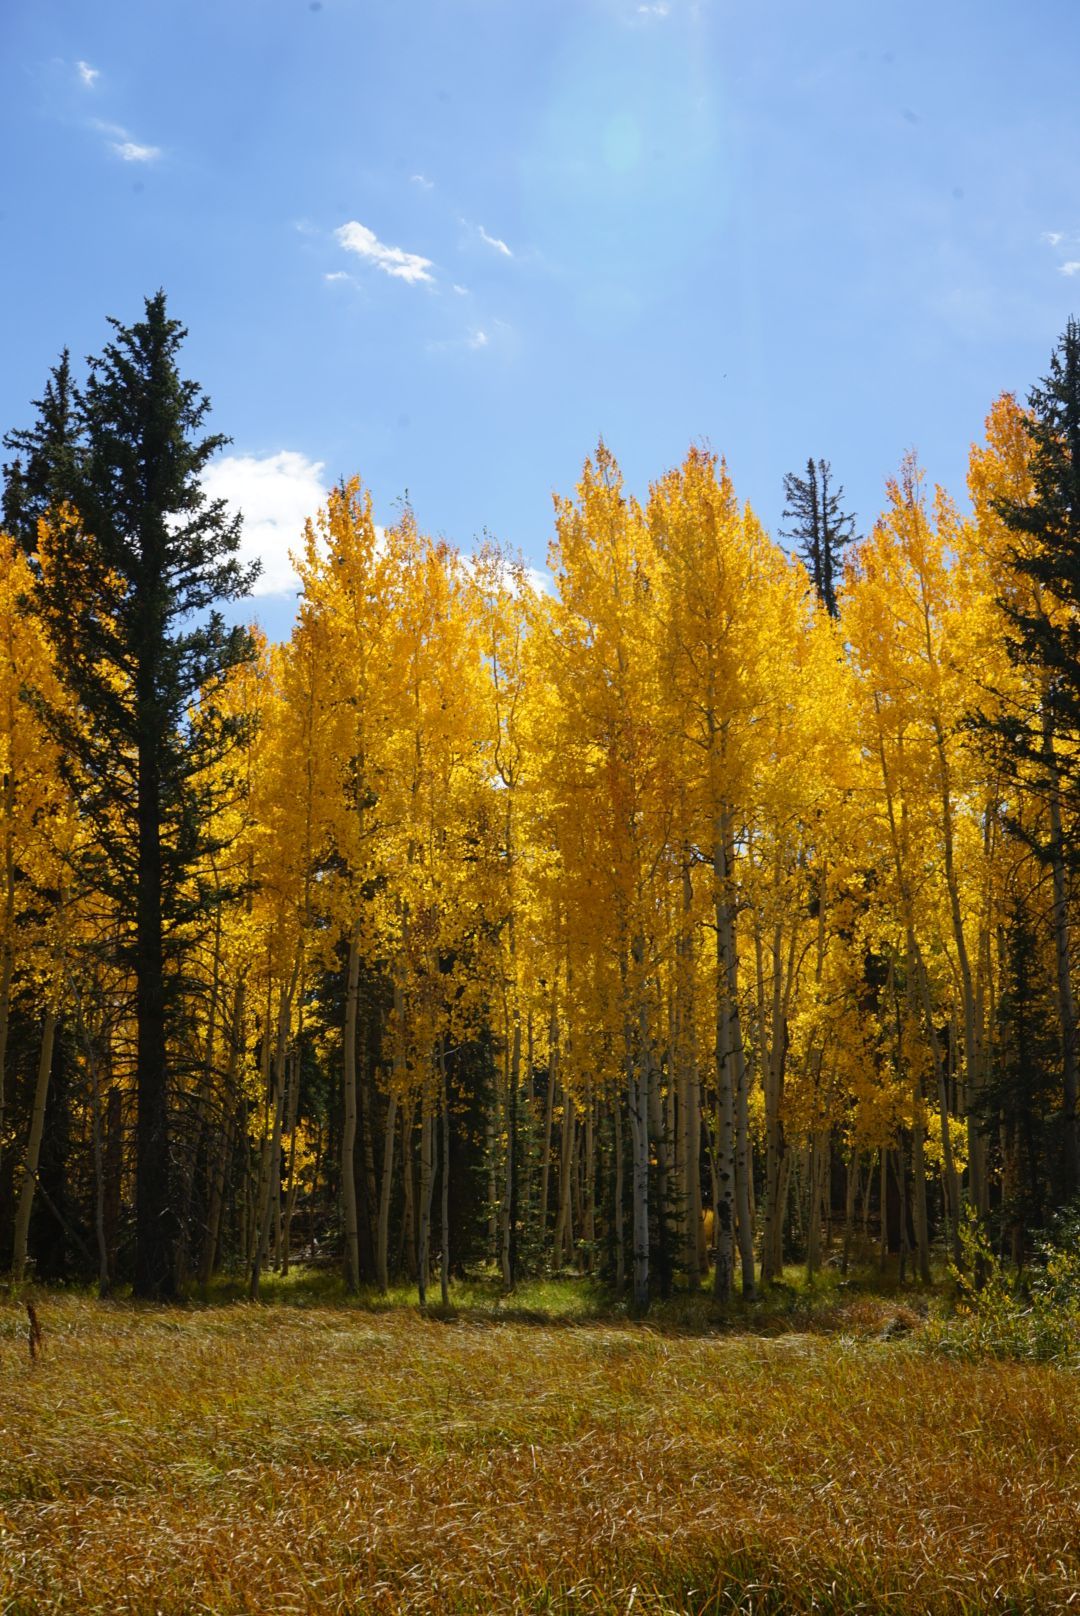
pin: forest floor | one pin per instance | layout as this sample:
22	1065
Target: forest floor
311	1455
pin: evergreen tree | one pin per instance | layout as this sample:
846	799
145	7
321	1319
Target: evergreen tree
1040	738
1045	634
42	452
1023	1092
821	528
128	592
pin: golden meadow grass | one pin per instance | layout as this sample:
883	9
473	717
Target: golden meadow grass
331	1459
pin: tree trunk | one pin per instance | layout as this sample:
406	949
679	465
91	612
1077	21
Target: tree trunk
273	1167
427	1185
444	1187
920	1217
348	1132
7	944
724	1231
155	1218
1070	1164
383	1233
223	1143
549	1112
637	1090
33	1148
114	1170
564	1234
620	1193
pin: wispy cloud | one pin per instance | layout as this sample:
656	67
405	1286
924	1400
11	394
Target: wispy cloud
1071	268
89	75
132	152
660	8
1053	238
474	340
422	180
404	266
275	493
336	275
122	145
494	241
462	291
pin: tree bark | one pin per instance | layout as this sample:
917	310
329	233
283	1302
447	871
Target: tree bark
155	1217
33	1148
348	1132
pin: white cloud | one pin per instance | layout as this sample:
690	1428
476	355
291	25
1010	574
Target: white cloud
422	180
132	152
89	75
404	266
659	9
541	580
1072	267
493	241
476	339
276	494
336	275
1053	238
462	291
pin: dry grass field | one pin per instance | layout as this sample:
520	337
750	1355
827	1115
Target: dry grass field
315	1458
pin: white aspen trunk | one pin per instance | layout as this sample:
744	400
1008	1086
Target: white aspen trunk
724	1233
638	1103
900	1173
217	1176
690	1089
427	1185
33	1148
408	1216
588	1228
564	1235
851	1193
778	1160
977	1184
291	1112
744	1165
348	1132
898	835
813	1220
382	1240
366	1116
513	1078
549	1112
920	1217
444	1187
660	1141
620	1191
273	1165
949	1175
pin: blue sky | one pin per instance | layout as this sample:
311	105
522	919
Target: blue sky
446	244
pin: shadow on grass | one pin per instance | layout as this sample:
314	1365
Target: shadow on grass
865	1303
862	1303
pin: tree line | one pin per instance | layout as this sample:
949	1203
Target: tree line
709	911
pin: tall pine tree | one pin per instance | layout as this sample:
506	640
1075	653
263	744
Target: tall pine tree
821	528
137	560
42	457
1042	738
